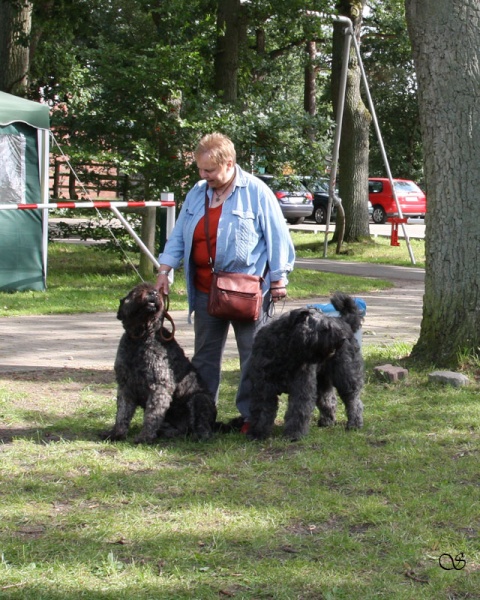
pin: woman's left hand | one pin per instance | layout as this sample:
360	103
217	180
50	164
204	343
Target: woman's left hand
278	291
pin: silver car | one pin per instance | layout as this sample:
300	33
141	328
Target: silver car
295	200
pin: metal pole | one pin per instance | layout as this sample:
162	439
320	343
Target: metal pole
382	147
131	231
339	119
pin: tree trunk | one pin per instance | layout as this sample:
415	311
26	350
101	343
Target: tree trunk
354	145
15	26
231	35
310	87
147	235
445	37
149	222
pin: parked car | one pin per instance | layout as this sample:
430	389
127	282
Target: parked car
319	189
410	197
294	198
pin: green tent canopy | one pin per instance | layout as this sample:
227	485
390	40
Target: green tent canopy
24	179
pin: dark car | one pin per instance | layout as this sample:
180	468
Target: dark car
319	189
294	198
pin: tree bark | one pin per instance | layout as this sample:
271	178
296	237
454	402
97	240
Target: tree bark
149	222
354	145
231	35
15	27
310	87
445	37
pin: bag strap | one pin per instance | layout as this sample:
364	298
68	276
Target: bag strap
206	220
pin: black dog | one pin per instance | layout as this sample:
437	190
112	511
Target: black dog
306	354
153	372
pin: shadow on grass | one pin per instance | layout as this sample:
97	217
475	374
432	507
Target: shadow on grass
49	405
59	404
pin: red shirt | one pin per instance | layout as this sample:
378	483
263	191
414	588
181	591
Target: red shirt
203	269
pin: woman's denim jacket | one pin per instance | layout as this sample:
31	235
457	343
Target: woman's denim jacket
252	233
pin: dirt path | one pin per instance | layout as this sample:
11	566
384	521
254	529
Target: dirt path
90	341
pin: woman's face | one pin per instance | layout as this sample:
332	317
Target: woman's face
215	175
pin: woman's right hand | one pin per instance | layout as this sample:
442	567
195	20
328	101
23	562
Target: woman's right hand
162	284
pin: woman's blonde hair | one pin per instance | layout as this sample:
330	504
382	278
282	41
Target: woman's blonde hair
219	147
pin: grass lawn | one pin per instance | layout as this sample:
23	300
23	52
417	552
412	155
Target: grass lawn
376	250
340	515
370	514
86	279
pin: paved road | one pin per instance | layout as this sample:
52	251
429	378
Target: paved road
415	229
412	274
90	341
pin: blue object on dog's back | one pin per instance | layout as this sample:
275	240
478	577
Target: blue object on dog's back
330	311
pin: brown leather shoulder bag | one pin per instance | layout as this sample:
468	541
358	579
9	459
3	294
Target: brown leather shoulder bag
232	296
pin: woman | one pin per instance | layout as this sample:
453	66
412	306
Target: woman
248	234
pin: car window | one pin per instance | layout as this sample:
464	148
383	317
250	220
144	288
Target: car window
287	184
375	187
320	186
407	186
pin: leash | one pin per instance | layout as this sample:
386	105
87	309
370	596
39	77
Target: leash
271	307
167	316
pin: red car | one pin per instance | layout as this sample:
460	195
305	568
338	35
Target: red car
410	197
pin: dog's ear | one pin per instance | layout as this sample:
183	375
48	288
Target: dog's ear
298	316
315	337
121	312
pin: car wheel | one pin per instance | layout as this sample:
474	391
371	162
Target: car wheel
379	216
296	221
320	215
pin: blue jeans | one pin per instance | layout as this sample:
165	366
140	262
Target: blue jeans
210	338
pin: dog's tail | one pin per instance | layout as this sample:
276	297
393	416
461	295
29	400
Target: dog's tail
348	309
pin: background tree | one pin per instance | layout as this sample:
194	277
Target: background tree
445	37
15	27
354	145
231	39
137	82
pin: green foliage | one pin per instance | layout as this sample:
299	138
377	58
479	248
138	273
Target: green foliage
132	82
388	61
146	102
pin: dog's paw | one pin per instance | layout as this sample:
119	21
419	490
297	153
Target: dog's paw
326	422
293	437
143	438
355	425
113	436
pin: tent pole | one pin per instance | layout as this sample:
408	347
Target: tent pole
43	137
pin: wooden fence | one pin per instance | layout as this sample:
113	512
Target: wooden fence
89	180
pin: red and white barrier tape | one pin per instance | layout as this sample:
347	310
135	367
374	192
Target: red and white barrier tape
92	204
